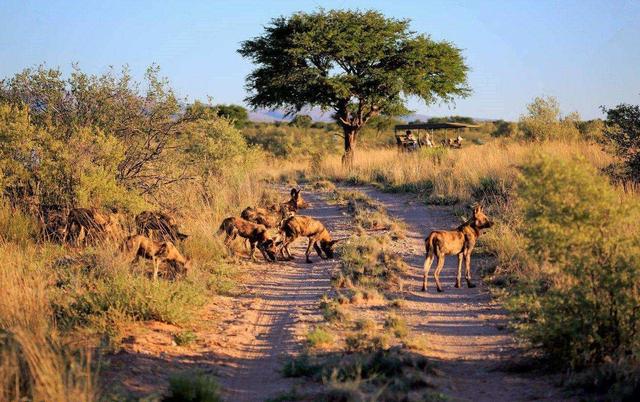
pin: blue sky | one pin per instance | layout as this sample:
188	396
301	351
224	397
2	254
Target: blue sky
586	53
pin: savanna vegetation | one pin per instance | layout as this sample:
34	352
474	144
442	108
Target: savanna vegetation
563	193
107	143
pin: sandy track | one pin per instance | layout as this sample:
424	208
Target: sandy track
465	327
286	297
242	339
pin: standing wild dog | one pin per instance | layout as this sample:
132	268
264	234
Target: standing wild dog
266	217
441	243
296	201
157	252
319	237
158	226
255	233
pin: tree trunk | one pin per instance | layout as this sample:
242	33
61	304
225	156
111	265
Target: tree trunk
350	134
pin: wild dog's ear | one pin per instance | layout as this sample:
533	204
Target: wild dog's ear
182	236
477	209
294	192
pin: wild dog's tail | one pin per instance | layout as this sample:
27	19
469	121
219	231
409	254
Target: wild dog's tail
428	244
223	226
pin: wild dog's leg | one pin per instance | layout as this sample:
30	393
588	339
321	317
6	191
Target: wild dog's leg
253	250
428	261
319	251
156	263
436	275
306	254
459	277
264	253
468	266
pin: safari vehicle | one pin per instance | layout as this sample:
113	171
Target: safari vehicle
424	134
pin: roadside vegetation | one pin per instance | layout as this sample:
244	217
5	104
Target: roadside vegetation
100	142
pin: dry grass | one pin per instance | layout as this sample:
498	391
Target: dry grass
440	173
58	302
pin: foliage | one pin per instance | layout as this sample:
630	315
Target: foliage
452	119
384	374
288	142
505	129
365	263
104	119
592	130
544	122
582	306
235	113
358	63
301	121
319	337
193	387
623	130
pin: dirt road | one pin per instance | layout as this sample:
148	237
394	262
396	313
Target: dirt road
286	297
242	339
465	327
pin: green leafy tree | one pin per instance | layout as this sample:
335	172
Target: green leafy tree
301	121
384	123
359	64
504	129
622	127
544	122
452	119
235	113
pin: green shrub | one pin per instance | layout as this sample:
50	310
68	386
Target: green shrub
16	226
397	325
193	387
97	288
364	262
544	122
581	303
185	338
319	337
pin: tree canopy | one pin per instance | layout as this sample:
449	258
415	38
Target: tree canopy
622	128
302	121
236	113
359	64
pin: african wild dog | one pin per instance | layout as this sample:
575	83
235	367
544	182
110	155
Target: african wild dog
319	237
256	234
461	241
157	252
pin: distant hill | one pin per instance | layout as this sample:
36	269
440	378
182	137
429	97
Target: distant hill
270	116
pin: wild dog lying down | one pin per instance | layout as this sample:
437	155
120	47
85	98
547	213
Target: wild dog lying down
84	224
319	237
441	243
158	226
157	252
255	233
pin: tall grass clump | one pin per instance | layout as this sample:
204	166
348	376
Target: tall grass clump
35	362
579	303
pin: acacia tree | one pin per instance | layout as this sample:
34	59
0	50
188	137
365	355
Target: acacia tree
360	64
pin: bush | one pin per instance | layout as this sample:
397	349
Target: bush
319	337
581	307
193	387
623	130
365	264
544	122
